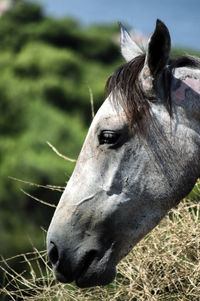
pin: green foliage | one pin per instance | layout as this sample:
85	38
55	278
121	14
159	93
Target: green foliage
37	59
60	33
13	24
102	49
12	36
24	12
13	106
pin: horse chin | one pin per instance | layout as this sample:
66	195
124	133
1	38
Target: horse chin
94	278
61	277
91	277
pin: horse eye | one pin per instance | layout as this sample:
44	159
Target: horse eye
108	137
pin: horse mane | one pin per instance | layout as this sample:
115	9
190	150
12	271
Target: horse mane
127	91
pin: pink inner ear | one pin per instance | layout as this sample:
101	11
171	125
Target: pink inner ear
178	95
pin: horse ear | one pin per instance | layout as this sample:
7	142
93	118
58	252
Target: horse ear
129	48
157	56
158	48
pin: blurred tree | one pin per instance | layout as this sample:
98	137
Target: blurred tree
23	12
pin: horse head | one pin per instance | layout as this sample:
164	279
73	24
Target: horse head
139	159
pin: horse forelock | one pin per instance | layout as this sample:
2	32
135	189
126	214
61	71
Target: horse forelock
127	91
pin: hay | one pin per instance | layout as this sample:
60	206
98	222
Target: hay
165	265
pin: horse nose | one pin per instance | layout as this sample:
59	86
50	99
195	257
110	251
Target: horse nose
61	265
67	266
53	253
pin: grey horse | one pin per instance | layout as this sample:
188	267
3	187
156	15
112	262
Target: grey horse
139	159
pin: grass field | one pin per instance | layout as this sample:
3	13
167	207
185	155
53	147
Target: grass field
165	265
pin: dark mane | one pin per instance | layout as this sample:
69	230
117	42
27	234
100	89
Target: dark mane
124	82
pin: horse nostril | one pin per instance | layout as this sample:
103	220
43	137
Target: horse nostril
53	253
87	260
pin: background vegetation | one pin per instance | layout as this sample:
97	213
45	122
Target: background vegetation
46	66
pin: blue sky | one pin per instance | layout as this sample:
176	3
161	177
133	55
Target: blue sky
181	16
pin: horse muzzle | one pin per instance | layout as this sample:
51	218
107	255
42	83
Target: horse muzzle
86	266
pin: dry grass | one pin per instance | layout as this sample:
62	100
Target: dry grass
163	266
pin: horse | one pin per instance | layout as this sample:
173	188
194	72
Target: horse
139	159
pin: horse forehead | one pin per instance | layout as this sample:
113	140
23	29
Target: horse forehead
106	109
108	113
